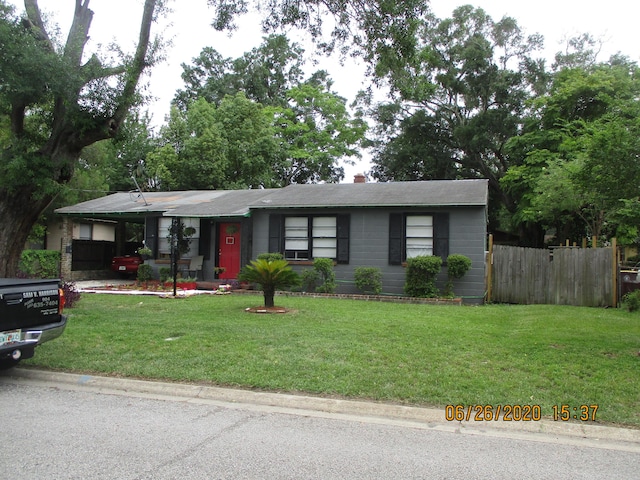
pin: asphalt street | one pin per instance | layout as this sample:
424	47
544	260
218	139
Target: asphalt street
61	426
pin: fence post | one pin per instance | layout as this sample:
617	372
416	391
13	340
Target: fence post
490	269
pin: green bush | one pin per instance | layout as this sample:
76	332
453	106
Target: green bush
421	276
164	272
145	273
457	266
368	279
270	257
40	263
309	280
324	267
632	301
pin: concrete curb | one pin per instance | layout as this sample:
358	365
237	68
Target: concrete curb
545	430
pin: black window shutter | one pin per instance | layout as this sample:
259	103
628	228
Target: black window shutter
151	234
441	235
396	238
276	226
204	243
343	222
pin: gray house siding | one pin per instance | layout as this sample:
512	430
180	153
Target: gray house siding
369	245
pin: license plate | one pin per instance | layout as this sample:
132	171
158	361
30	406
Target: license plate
12	336
122	267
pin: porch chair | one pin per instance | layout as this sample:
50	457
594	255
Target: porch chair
195	266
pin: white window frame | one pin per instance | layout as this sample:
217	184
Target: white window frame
308	236
418	235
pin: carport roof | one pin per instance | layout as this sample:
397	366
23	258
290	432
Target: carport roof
235	203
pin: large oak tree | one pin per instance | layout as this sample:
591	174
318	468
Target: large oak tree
54	102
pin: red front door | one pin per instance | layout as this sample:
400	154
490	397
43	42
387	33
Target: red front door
229	250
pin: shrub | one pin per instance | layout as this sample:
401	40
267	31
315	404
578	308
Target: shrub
421	276
457	266
310	280
164	272
368	279
324	267
40	264
270	275
269	257
145	273
71	294
632	301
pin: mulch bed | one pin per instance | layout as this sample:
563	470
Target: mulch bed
264	309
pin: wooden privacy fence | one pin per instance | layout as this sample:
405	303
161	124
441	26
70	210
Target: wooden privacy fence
562	276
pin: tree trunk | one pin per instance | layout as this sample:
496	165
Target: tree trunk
269	293
19	212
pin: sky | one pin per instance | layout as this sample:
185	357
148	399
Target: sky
613	21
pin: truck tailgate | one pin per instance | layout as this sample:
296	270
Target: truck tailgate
28	304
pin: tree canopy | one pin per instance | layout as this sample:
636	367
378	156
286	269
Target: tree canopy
55	100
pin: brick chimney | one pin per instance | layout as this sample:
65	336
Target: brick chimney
359	178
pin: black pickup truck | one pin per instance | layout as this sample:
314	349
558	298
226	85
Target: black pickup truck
30	314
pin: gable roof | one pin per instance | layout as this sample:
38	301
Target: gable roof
234	203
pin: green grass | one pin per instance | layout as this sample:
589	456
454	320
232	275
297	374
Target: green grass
410	354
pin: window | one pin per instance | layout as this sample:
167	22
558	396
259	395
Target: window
324	237
86	231
411	235
164	247
296	238
308	237
419	235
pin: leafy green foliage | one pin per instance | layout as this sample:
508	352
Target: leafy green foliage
270	256
632	301
581	153
368	279
264	74
145	273
326	274
257	123
270	275
40	263
421	276
309	280
164	273
55	101
457	102
457	266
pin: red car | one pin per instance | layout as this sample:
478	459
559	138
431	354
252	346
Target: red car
127	265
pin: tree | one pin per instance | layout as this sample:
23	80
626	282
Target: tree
55	102
458	101
231	146
270	275
581	154
315	132
264	74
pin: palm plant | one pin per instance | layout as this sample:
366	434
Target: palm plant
270	275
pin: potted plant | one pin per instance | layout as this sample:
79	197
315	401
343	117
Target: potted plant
145	253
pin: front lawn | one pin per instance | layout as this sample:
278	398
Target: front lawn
411	354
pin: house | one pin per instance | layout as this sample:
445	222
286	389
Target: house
356	224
